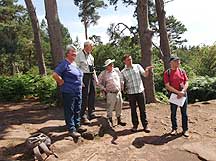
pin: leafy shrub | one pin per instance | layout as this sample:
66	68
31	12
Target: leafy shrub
14	88
46	89
162	97
202	89
158	77
17	87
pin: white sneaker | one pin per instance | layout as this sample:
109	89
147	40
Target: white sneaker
186	133
173	132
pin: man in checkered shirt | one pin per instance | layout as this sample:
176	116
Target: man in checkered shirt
134	87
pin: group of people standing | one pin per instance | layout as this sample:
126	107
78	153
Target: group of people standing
77	79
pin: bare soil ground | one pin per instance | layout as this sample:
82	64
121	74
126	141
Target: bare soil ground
19	120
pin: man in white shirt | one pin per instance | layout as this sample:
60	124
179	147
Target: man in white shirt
110	82
85	61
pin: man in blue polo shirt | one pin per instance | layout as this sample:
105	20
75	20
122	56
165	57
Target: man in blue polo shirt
69	77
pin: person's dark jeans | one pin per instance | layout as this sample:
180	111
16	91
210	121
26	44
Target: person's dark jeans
184	115
72	106
88	96
140	100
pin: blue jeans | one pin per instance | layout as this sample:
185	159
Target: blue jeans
184	115
72	106
139	99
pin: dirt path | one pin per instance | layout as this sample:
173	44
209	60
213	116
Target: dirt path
20	120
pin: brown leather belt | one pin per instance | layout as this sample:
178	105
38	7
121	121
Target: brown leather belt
113	92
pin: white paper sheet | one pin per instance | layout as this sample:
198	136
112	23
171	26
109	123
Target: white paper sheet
177	101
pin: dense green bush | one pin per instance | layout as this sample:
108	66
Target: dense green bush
17	87
202	89
14	88
201	59
161	97
46	89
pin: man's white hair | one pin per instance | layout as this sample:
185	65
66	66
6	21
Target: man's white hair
69	47
88	42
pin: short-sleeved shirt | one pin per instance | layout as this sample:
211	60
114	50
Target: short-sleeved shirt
132	79
176	78
84	60
111	81
72	77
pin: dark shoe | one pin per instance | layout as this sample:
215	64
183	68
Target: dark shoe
81	129
92	116
85	121
173	132
134	129
185	133
74	134
147	129
119	122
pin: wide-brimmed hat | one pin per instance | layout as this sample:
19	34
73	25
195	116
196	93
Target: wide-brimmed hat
108	62
173	58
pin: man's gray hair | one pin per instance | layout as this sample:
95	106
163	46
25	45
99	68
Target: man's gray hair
69	47
88	42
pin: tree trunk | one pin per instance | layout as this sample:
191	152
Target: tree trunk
164	42
37	39
85	3
86	30
54	31
55	38
146	45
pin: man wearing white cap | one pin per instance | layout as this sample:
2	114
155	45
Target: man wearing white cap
110	82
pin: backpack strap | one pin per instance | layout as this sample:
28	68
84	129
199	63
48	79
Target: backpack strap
182	72
168	74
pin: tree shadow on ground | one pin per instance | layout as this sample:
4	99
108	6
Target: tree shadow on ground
107	128
26	154
127	132
32	112
26	112
154	140
19	150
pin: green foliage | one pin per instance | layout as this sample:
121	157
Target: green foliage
46	43
162	97
46	89
175	30
103	52
15	38
201	60
88	11
13	88
202	89
204	61
17	87
158	77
